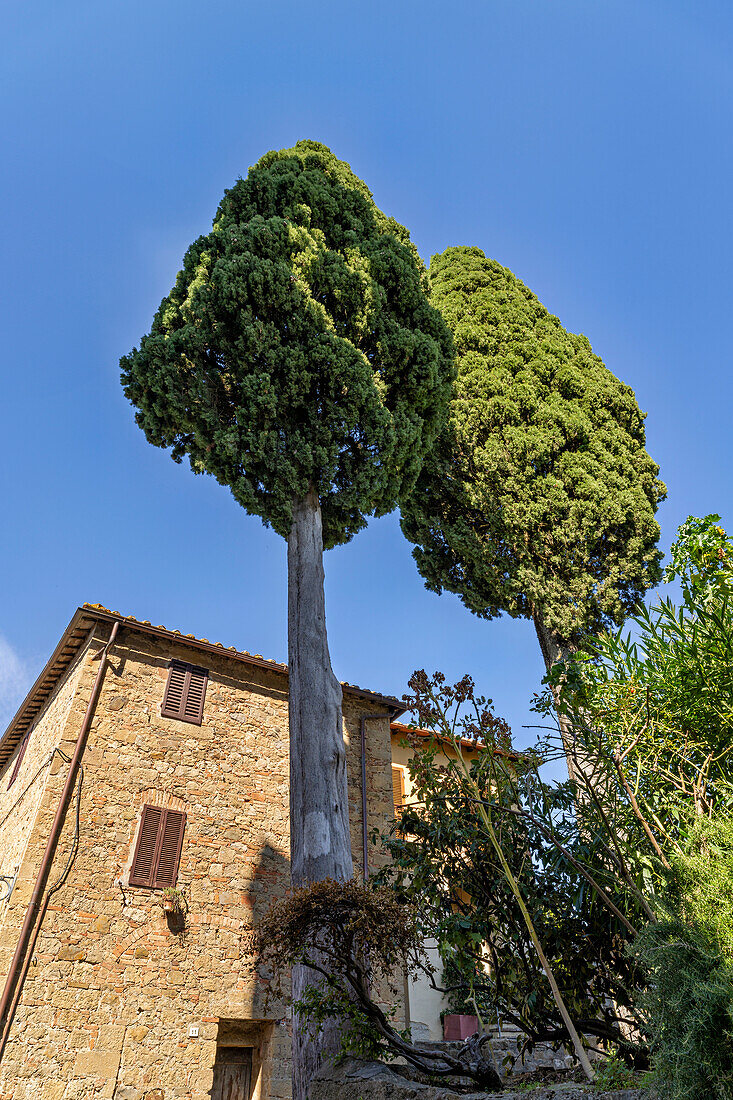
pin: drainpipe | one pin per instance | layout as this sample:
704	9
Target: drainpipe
364	834
58	822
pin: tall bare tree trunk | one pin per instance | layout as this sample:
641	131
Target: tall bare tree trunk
320	842
583	769
553	650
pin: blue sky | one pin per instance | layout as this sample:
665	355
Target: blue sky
585	145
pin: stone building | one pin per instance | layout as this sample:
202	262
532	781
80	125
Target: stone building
425	1006
183	783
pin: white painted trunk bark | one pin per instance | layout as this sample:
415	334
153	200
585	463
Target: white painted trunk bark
320	841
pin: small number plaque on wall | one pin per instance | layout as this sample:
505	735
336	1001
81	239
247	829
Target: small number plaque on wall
193	1033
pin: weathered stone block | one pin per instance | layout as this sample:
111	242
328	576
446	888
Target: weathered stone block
71	954
53	1090
96	1063
202	1080
127	1092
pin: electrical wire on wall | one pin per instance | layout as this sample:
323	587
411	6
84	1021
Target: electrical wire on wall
75	843
37	908
31	781
11	879
48	895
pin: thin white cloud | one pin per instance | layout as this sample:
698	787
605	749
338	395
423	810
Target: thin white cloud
14	682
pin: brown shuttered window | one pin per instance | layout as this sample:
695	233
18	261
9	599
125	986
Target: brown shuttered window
171	840
19	759
158	850
398	790
185	692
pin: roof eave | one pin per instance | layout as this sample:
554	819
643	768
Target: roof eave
203	644
78	630
69	644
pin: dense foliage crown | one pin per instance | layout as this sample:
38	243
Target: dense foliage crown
298	348
541	497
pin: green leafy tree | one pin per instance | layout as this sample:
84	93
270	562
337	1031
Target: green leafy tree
653	709
521	892
540	500
702	560
297	360
653	705
626	870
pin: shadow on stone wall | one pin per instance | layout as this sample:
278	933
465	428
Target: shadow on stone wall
270	882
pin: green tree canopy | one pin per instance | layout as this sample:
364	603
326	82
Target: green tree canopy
486	848
298	348
299	361
541	498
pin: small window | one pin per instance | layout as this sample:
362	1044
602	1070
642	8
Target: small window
185	692
398	791
19	759
158	849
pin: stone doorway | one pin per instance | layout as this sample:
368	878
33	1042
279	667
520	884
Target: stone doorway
243	1062
232	1074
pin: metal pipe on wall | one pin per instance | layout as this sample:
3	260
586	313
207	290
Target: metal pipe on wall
58	822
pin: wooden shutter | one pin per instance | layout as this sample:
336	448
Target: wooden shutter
193	707
169	850
398	790
158	850
19	759
185	692
143	863
175	690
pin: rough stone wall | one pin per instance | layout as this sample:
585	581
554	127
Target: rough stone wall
115	988
19	803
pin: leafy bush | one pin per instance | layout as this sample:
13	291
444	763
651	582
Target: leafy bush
701	887
465	990
359	940
640	840
445	860
652	713
652	708
689	1008
688	958
614	1074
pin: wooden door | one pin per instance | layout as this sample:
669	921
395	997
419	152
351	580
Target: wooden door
232	1074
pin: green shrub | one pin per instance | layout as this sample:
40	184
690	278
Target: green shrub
689	1009
614	1074
688	957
